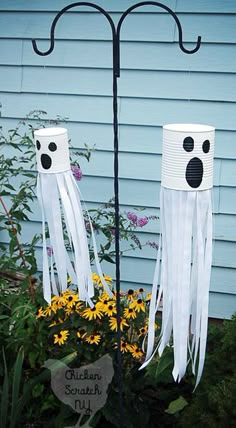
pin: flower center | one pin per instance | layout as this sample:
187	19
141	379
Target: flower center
130	311
110	307
130	292
59	336
92	337
70	298
139	301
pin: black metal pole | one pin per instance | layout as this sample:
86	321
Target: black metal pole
116	74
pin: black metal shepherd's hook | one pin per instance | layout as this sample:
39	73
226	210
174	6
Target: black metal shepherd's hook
116	74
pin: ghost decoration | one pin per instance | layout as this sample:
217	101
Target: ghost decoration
185	248
60	201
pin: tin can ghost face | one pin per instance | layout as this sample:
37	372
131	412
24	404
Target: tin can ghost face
52	150
187	159
183	266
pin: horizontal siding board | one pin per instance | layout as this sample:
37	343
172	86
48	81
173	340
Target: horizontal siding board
145	193
143	84
93	26
77	108
88	26
44	5
147	112
207	26
134	56
156	112
137	139
215	6
224	253
224	225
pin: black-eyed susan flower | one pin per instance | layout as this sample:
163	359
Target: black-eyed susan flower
93	339
148	297
109	309
130	313
71	300
135	351
79	306
113	324
141	290
104	298
142	331
40	313
49	310
124	346
138	305
61	337
93	313
131	294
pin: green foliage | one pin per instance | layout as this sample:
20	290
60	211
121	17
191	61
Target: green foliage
214	403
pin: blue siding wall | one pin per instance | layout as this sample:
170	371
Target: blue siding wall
159	84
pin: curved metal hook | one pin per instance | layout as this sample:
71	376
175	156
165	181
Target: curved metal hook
57	17
163	6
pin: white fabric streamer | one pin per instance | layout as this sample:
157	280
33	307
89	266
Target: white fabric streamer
59	199
186	241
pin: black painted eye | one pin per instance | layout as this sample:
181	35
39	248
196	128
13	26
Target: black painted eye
206	146
188	144
38	145
52	147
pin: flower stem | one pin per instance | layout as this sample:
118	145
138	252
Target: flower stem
31	290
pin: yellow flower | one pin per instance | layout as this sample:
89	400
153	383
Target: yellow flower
49	310
93	313
97	279
40	313
61	337
113	323
135	351
130	313
131	294
109	309
138	305
71	300
125	347
143	330
78	306
93	339
60	321
69	280
68	311
104	298
148	297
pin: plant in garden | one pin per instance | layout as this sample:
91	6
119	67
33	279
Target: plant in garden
92	331
130	223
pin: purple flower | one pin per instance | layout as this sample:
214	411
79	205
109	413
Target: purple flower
77	173
50	251
132	217
153	244
142	221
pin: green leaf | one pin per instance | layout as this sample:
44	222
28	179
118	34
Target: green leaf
42	377
3	317
108	259
16	385
9	186
4	397
176	405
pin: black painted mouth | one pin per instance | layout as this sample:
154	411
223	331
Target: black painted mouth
194	172
46	161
